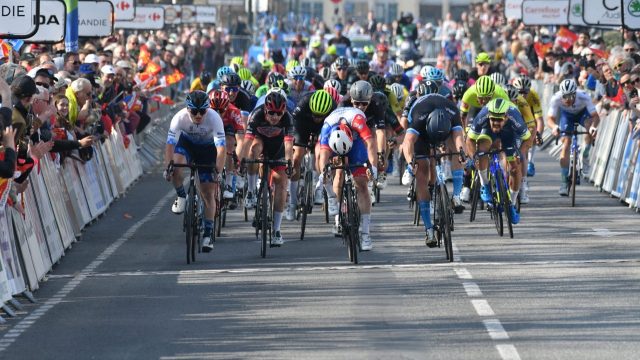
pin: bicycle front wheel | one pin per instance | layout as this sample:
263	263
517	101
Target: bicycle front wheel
189	220
574	177
496	214
307	202
475	196
445	221
354	222
506	203
264	216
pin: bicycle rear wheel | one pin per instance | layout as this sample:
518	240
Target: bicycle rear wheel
496	214
445	221
506	203
354	226
325	205
475	196
574	175
189	220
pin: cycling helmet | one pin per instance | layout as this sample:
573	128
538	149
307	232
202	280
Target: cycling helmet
485	86
483	57
377	82
421	89
197	99
431	87
335	94
320	103
362	67
498	106
368	49
291	64
306	62
568	87
382	47
297	71
435	74
498	79
438	125
219	100
462	74
325	72
213	85
274	101
238	60
231	79
398	91
249	86
334	67
396	70
459	88
223	70
424	71
512	92
205	77
278	90
342	62
332	50
522	83
275	80
361	91
333	84
341	139
267	64
245	74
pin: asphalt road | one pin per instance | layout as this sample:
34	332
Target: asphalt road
565	288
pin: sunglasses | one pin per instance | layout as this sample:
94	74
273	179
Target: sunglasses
484	98
44	85
230	89
298	78
275	113
569	96
342	69
496	119
483	64
195	112
360	103
630	50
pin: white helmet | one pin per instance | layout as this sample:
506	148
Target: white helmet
425	71
333	83
498	78
278	90
396	70
297	71
568	86
249	86
398	91
341	140
522	83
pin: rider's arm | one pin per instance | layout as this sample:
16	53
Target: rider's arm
172	140
408	145
249	135
219	139
325	150
554	106
288	138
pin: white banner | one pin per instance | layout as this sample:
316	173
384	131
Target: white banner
547	12
513	9
16	18
602	12
172	14
631	14
575	13
95	18
124	9
188	14
206	14
147	18
52	22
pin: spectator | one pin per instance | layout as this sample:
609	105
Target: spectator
71	63
7	133
79	96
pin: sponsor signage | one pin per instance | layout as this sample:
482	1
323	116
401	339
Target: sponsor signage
575	13
513	9
124	9
602	12
631	14
52	22
547	12
147	18
95	18
188	14
16	18
172	14
206	14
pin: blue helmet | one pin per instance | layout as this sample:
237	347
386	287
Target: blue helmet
223	70
197	99
435	74
213	85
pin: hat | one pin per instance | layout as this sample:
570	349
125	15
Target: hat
91	59
86	69
108	69
45	72
124	64
24	86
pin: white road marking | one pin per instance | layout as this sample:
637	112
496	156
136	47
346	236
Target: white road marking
472	289
602	233
23	325
508	352
482	307
463	274
495	329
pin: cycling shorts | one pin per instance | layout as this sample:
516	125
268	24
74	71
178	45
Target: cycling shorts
202	154
568	120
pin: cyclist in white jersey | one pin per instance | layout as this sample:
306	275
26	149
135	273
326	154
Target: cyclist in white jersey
573	106
196	134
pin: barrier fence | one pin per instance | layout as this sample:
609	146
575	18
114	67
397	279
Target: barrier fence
615	155
64	198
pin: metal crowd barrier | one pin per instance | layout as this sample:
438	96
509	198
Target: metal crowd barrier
615	156
64	198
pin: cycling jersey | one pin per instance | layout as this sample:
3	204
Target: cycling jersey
294	95
582	102
513	131
404	80
303	122
525	111
197	84
375	112
451	48
419	117
244	101
470	98
344	84
380	68
232	120
357	121
396	105
534	102
408	103
273	136
211	130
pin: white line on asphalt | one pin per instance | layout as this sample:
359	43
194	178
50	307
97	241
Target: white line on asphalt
508	352
463	273
495	329
472	289
482	307
23	325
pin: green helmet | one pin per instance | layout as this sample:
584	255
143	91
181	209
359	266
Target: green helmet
485	86
291	64
483	57
498	106
237	60
245	74
321	102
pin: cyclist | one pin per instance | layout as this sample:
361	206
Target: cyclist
196	134
499	120
234	134
270	135
230	83
298	86
437	76
381	62
479	95
308	118
523	84
396	75
350	125
342	74
574	106
451	49
201	82
483	66
432	120
363	71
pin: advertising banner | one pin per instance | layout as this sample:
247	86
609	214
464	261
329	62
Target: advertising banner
602	12
95	18
548	12
124	9
147	18
52	22
16	18
631	14
513	9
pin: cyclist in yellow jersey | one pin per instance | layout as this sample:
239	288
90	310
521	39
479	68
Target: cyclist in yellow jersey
478	95
523	84
201	82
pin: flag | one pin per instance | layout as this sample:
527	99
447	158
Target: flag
565	38
5	49
132	102
144	57
162	99
16	44
152	68
599	53
541	49
173	78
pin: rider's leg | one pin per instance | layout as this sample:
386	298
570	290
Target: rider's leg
423	195
280	181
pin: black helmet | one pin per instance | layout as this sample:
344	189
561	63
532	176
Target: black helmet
231	79
197	100
462	74
438	125
205	78
459	88
431	87
274	101
342	62
362	67
378	82
275	80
